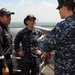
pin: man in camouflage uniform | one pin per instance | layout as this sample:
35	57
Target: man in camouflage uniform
28	38
62	39
6	67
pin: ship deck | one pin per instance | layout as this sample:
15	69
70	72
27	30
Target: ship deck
48	70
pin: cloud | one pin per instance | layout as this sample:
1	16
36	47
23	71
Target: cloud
45	11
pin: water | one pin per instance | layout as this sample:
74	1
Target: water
15	27
43	24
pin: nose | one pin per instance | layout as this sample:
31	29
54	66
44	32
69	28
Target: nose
10	18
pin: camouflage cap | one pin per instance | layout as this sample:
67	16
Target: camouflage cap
28	17
4	11
60	2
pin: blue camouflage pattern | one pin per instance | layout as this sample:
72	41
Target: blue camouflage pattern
62	40
29	41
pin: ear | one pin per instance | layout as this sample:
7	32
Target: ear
64	8
27	21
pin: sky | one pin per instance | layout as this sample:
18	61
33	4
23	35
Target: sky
43	10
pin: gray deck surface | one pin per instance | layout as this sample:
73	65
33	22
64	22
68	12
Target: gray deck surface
48	70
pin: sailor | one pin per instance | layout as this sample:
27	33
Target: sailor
28	38
62	40
5	42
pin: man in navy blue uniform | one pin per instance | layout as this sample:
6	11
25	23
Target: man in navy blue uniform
62	39
28	38
6	67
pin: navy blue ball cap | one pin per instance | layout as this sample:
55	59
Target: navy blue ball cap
28	17
60	2
5	11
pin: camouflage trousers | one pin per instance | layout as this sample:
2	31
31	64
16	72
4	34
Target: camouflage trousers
29	67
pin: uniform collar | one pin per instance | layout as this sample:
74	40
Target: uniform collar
3	26
32	32
72	16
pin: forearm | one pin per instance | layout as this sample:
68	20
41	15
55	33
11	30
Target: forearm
17	42
3	61
16	45
2	58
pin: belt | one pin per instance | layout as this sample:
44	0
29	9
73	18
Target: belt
2	57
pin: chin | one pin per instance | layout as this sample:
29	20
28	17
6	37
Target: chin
62	17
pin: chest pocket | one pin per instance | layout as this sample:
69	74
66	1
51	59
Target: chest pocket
33	39
26	39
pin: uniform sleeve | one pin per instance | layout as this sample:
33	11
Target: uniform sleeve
2	58
37	39
52	40
17	41
40	33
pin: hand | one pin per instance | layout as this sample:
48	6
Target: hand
42	37
5	71
38	52
11	55
21	53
